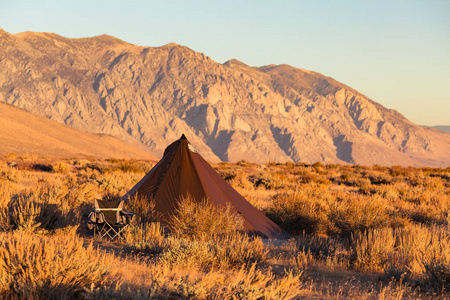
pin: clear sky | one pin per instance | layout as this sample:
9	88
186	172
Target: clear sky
395	52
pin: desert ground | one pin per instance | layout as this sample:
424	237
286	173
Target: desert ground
358	232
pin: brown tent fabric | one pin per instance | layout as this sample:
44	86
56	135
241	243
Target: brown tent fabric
183	171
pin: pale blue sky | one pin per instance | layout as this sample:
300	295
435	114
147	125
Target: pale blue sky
395	52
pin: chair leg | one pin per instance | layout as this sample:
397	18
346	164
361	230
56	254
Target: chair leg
121	230
107	230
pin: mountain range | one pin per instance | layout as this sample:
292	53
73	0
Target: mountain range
229	112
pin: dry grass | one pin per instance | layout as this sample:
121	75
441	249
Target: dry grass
359	233
197	220
145	238
217	252
417	253
143	208
33	267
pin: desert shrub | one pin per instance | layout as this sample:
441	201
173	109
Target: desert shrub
254	284
42	208
240	180
5	223
270	181
89	174
61	167
218	251
433	183
236	250
396	171
354	179
110	184
380	179
93	166
188	254
10	174
379	168
143	208
437	274
50	193
245	283
48	268
418	253
127	166
372	248
23	214
131	167
227	174
303	170
296	214
318	166
7	189
194	220
27	157
243	163
346	177
355	213
26	214
11	156
427	214
304	210
311	177
145	238
389	192
80	195
116	182
322	247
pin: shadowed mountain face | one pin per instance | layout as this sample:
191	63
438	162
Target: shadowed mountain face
228	111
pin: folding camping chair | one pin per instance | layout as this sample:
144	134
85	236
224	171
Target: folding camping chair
109	219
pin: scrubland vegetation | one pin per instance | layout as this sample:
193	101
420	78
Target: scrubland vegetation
357	232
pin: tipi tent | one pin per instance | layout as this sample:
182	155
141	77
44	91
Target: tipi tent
183	171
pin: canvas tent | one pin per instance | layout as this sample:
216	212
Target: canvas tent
183	171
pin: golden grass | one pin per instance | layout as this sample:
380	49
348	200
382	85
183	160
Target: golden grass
145	238
196	220
216	252
418	253
33	267
359	233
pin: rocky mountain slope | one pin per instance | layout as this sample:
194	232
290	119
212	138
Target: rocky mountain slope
22	132
228	111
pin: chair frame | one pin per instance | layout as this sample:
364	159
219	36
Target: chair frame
102	227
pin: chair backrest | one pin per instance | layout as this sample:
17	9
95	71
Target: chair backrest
110	209
105	205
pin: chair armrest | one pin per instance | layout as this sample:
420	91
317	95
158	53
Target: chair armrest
126	217
95	218
127	213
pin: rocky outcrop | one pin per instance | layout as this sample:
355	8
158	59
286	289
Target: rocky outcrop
228	111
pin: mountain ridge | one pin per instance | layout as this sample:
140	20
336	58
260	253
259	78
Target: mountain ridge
230	111
22	132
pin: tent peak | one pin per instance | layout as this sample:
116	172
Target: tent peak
183	137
